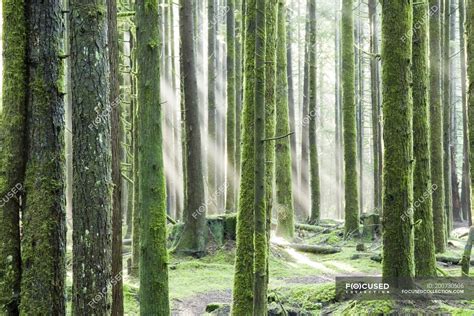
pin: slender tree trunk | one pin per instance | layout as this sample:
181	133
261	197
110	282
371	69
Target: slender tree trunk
375	100
13	153
425	261
151	186
398	243
283	161
470	90
313	155
92	200
231	108
238	91
446	119
349	121
260	215
465	185
115	103
271	84
436	124
291	103
211	99
304	185
242	302
193	239
360	107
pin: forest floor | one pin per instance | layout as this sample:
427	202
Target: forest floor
300	283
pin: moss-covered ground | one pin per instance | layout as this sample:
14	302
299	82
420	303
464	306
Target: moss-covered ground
300	283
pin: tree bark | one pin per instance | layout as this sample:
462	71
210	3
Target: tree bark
398	243
92	160
425	262
349	121
436	124
13	153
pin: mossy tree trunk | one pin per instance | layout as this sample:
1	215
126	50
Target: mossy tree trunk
117	132
397	23
231	108
313	149
470	90
92	197
44	215
242	302
425	261
436	124
349	120
12	155
283	161
466	257
154	297
193	238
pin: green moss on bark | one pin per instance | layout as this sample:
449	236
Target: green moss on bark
425	261
154	293
398	245
436	124
243	281
284	192
44	217
349	120
12	153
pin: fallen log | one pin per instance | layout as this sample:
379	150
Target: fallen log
323	250
312	228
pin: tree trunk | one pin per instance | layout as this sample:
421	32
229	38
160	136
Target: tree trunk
260	211
470	90
231	109
436	124
446	120
44	220
398	159
116	131
193	238
13	153
349	121
212	156
313	154
375	100
283	161
151	186
242	301
92	200
466	257
425	262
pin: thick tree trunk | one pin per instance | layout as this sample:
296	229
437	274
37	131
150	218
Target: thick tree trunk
44	216
397	106
92	200
436	124
349	121
425	262
154	297
13	153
